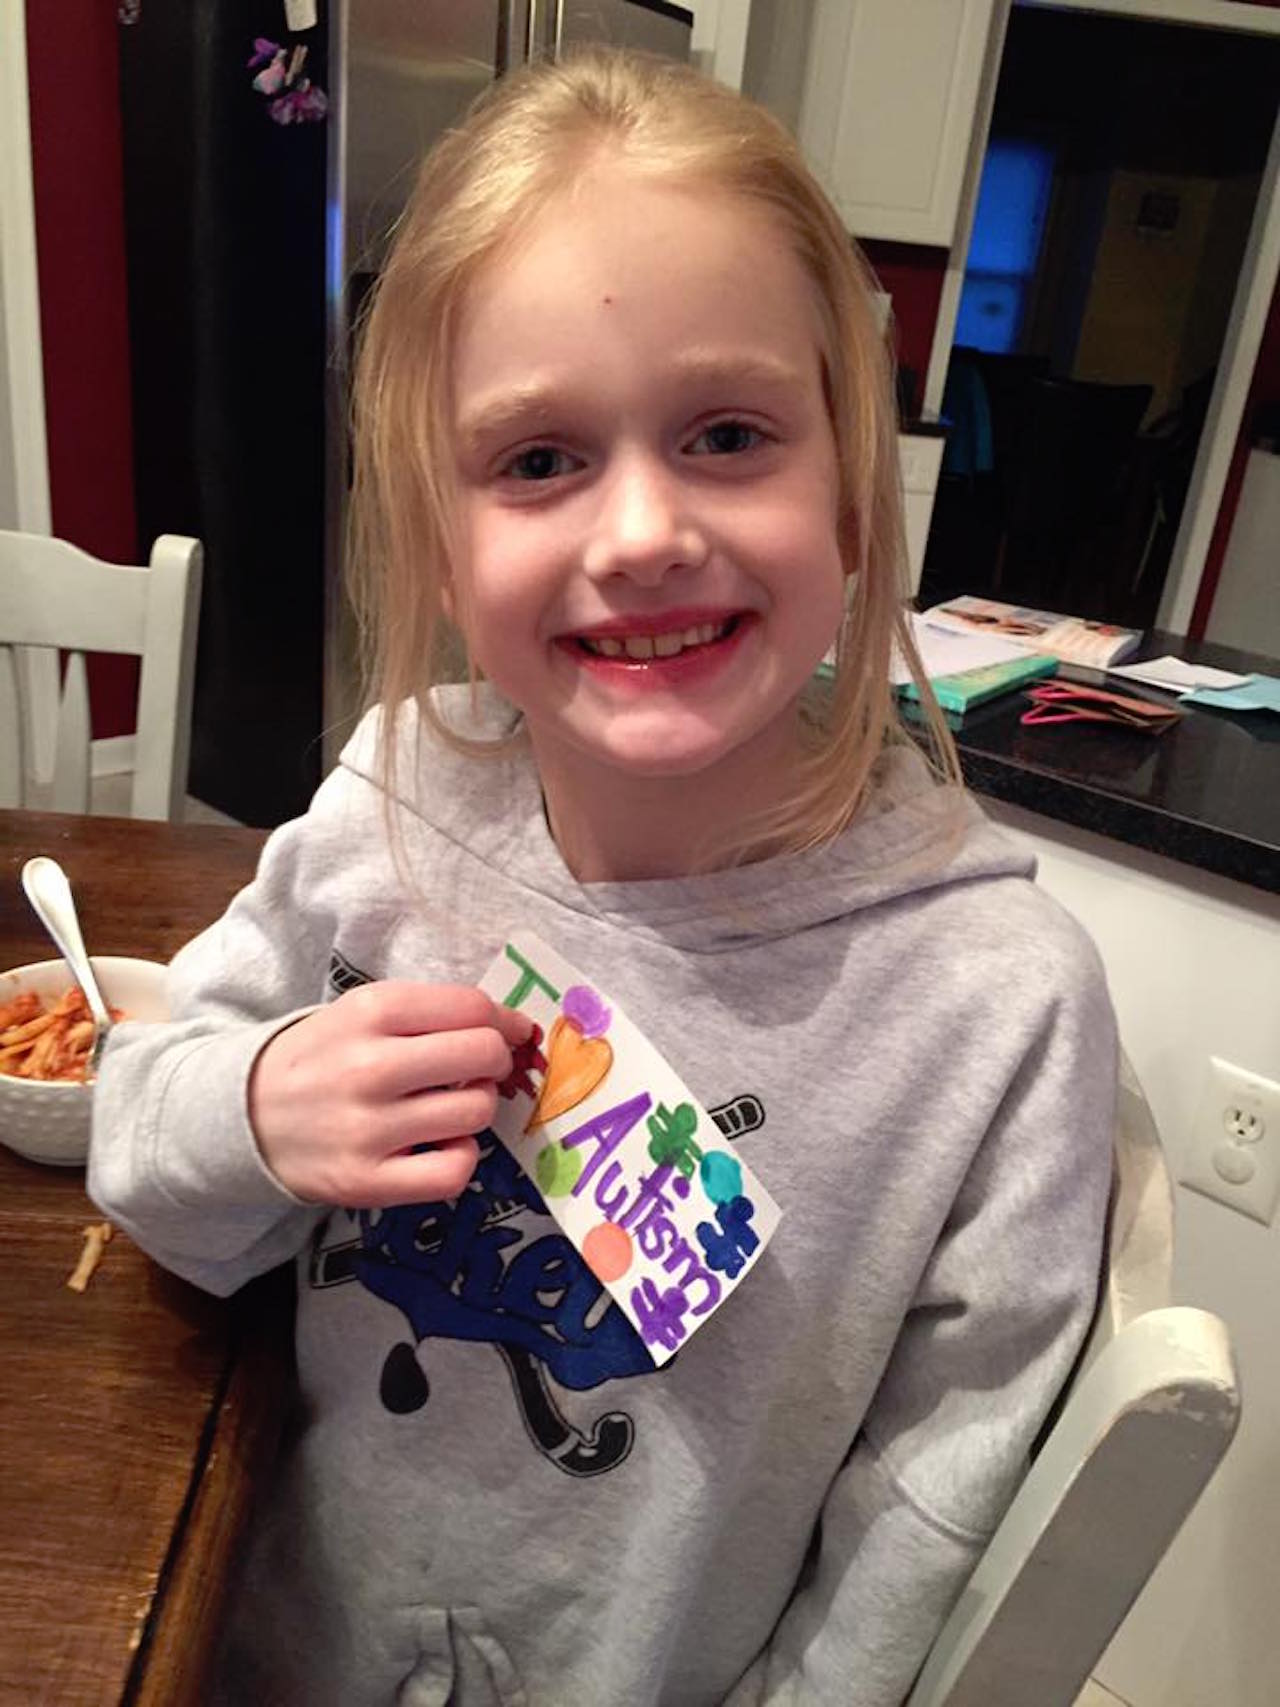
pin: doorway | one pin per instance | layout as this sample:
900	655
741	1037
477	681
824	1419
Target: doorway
1123	168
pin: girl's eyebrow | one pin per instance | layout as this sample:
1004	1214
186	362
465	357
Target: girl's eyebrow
499	414
753	369
537	399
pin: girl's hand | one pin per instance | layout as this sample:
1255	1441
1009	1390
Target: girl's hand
338	1101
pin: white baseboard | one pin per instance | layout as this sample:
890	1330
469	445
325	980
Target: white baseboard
113	755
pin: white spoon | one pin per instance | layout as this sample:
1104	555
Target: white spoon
49	893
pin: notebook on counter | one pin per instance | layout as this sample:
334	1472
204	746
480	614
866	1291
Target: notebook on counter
960	692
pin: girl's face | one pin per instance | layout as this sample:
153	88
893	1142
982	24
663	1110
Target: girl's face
647	481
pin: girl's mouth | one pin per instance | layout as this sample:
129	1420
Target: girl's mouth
672	659
644	648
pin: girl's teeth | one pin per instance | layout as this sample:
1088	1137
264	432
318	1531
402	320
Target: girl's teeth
645	646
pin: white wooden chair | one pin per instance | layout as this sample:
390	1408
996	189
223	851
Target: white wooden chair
1140	1430
55	596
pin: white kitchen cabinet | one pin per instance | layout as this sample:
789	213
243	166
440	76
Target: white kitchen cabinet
720	37
883	104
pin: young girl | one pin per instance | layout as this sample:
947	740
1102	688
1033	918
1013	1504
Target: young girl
624	419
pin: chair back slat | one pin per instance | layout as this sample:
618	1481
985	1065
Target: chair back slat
10	730
55	597
1143	1432
1140	1233
71	749
39	674
1138	1257
1140	1427
167	684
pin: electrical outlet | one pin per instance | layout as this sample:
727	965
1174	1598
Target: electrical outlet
1233	1153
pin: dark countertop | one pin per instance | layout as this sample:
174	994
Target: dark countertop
1206	793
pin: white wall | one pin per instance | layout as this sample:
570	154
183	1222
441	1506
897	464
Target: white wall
1193	964
24	473
8	460
24	461
1246	605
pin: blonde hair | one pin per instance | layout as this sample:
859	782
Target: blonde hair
521	145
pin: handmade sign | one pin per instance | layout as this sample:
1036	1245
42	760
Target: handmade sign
629	1162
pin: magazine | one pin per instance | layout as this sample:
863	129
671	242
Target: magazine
1074	638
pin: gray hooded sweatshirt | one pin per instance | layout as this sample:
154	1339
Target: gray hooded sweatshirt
490	1496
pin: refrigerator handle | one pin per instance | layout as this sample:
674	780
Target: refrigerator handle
546	27
528	30
512	41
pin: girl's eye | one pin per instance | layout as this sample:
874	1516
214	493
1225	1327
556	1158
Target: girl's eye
540	462
726	438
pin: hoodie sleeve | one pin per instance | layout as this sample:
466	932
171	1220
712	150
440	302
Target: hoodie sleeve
173	1160
995	1326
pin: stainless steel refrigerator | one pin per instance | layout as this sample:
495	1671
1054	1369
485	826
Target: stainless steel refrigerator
249	244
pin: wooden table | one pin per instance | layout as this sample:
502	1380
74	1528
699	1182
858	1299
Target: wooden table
133	1417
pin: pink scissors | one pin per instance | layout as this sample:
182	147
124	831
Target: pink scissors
1072	702
1051	695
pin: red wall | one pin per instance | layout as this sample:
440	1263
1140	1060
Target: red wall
913	277
79	208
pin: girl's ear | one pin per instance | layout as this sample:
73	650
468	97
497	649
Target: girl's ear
452	595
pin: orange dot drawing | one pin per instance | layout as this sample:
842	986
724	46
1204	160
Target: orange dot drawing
606	1250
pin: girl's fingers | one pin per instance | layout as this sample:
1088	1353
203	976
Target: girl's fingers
431	1117
514	1026
340	1101
430	1177
408	1064
409	1010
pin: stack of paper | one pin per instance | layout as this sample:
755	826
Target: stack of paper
1197	684
1177	676
944	652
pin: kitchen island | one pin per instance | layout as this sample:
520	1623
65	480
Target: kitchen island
1206	793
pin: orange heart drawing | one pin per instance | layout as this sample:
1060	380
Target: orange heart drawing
575	1066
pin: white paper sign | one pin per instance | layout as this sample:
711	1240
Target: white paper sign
631	1165
300	15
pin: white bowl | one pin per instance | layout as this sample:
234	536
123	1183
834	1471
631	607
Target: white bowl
47	1120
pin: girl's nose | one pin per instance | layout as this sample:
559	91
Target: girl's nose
643	528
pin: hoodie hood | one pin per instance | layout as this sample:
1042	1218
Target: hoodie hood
912	836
